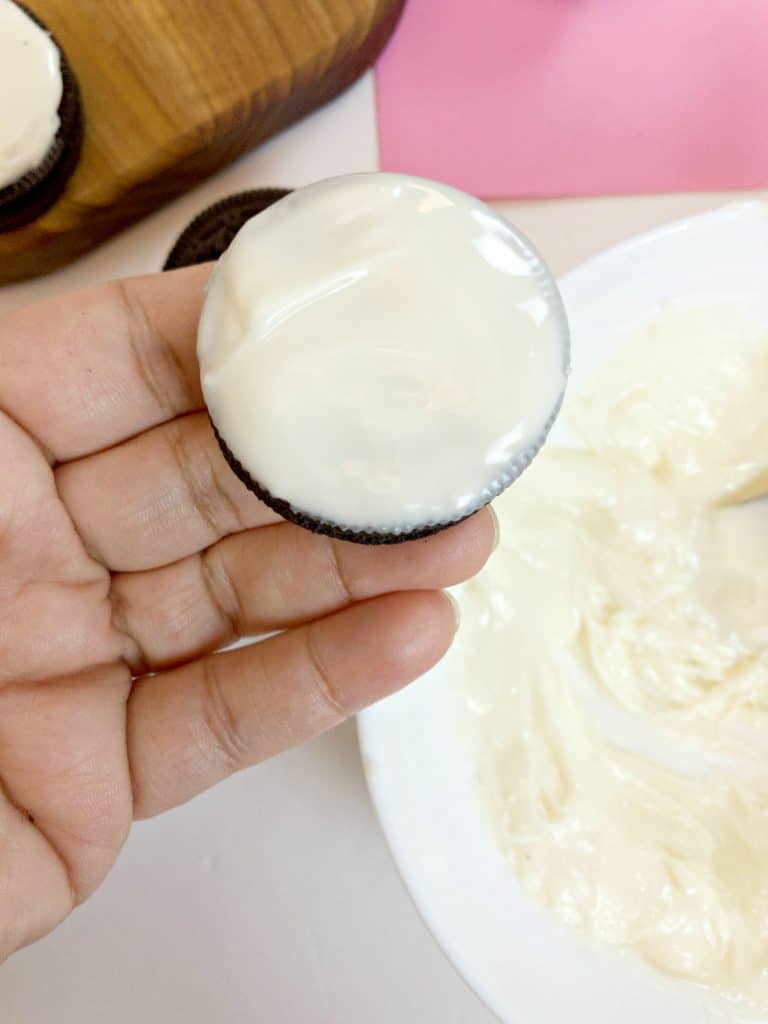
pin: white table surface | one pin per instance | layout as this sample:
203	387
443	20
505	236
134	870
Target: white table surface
272	898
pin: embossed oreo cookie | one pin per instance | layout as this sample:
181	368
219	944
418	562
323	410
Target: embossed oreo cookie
211	232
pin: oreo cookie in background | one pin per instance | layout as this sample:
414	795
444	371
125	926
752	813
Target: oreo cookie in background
211	232
41	120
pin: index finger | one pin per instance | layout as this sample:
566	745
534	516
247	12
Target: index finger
84	371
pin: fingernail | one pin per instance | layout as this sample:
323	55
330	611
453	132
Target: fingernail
456	610
496	528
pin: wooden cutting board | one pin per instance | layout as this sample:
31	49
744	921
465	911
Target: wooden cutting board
173	90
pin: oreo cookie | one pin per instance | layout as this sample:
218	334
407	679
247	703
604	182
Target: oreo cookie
26	45
211	232
380	356
319	525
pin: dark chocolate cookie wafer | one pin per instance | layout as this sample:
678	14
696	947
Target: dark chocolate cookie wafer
211	232
31	195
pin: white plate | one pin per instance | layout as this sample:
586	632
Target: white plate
518	957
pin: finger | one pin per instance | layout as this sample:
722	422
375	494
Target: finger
193	726
277	577
159	497
82	372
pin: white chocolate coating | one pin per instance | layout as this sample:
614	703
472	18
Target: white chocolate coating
614	655
30	93
381	351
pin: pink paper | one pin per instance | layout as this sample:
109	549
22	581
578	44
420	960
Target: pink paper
578	97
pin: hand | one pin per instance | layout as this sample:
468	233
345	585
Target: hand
127	547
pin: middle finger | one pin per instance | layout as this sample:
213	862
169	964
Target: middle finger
277	577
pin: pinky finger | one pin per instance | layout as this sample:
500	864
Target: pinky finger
193	726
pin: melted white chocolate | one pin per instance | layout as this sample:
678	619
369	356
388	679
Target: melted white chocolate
30	93
614	655
382	352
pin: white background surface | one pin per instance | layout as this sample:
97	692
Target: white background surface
272	898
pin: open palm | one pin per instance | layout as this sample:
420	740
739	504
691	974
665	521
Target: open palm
129	555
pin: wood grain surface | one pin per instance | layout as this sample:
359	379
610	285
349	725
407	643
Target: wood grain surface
175	89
